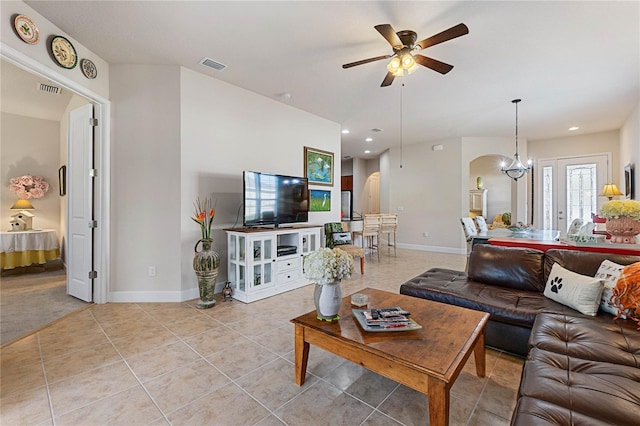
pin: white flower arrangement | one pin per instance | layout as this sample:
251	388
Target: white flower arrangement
615	209
326	265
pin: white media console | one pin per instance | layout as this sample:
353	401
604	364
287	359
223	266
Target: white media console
267	261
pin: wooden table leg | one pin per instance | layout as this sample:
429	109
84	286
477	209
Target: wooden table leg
438	397
301	355
479	356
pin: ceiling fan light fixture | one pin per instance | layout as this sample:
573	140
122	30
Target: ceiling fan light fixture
394	65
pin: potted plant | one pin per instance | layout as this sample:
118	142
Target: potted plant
623	220
327	267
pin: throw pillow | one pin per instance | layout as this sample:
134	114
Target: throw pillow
626	293
608	272
576	291
341	238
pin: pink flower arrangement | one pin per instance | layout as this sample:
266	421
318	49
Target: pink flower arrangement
28	186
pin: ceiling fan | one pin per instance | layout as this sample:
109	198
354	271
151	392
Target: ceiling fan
404	45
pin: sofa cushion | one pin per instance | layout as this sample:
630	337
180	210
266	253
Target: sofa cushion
597	338
534	412
583	263
506	305
514	268
578	391
576	291
608	272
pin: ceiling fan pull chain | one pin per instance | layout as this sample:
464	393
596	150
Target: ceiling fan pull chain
401	104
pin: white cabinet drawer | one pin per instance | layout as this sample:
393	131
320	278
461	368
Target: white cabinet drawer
287	264
285	277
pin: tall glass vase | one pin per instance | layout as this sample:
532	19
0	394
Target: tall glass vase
327	298
205	264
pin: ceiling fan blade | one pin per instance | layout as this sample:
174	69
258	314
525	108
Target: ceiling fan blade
366	61
434	64
388	79
451	33
390	35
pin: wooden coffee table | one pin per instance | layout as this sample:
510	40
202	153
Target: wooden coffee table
427	360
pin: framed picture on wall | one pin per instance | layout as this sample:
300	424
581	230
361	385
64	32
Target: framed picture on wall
320	201
318	166
629	192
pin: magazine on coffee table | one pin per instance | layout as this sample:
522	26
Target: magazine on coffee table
385	319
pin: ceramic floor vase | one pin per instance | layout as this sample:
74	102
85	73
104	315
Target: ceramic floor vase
623	230
327	298
205	264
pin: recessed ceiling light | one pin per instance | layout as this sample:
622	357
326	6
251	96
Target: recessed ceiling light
367	152
571	129
345	131
369	139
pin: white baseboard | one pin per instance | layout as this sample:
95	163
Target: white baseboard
157	296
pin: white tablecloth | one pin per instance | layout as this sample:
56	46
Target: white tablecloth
24	248
45	239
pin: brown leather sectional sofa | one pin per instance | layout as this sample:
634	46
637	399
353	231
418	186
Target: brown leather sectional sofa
579	369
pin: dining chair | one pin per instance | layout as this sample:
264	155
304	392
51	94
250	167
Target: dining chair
371	232
388	227
470	231
336	235
481	224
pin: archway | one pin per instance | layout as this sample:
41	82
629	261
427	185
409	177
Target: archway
497	186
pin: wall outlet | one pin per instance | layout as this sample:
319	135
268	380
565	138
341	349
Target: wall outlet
400	208
425	234
152	271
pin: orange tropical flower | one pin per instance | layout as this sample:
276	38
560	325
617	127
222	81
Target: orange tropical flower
202	218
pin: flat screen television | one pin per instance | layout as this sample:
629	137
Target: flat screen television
271	199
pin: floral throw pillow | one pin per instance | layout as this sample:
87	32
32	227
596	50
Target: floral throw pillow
626	293
609	272
576	291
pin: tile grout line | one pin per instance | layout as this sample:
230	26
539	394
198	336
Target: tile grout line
46	381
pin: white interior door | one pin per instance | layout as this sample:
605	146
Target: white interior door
80	204
567	189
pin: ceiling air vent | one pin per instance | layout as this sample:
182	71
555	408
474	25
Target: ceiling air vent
208	62
47	88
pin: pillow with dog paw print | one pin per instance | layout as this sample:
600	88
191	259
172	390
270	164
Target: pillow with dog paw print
576	291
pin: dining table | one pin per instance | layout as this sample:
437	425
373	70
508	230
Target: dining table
550	239
532	234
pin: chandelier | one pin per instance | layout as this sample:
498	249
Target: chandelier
516	169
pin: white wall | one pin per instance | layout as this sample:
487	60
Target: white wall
593	143
30	146
225	130
145	182
428	189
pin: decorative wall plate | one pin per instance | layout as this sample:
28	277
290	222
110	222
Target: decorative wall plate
88	68
63	52
26	29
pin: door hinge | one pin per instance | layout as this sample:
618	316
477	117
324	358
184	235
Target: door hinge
93	122
93	172
93	274
93	224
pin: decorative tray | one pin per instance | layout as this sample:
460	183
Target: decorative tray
360	316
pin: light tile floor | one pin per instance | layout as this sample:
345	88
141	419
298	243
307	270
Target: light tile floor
170	363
